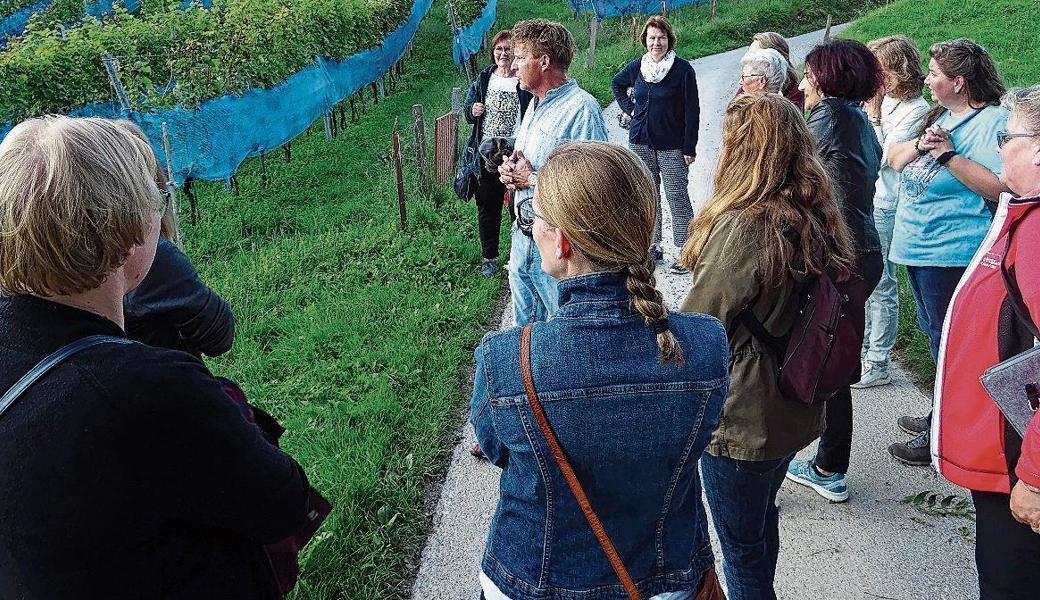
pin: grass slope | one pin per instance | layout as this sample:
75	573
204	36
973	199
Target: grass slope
1004	28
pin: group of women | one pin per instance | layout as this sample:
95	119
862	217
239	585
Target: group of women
601	465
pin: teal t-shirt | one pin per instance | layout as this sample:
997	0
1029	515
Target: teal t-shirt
939	221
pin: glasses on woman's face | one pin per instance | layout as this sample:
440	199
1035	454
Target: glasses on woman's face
164	192
1004	136
525	216
744	76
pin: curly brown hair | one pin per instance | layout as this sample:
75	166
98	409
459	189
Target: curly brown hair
543	37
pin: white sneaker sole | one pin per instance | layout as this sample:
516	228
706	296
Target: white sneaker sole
880	382
832	496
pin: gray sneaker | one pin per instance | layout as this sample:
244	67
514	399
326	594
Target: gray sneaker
916	452
489	267
915	425
874	375
677	269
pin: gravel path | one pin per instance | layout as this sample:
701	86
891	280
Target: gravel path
873	546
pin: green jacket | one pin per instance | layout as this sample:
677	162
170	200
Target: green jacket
757	422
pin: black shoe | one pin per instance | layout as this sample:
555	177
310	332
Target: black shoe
657	253
489	267
677	269
916	452
914	425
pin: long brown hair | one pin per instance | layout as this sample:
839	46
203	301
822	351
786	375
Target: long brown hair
769	174
964	58
603	198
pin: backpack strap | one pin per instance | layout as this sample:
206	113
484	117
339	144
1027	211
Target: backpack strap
1014	295
51	361
568	472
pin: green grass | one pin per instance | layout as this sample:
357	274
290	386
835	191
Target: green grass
358	336
1003	28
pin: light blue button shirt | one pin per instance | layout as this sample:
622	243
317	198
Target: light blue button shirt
568	113
939	221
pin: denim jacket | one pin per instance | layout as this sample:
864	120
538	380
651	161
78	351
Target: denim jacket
633	429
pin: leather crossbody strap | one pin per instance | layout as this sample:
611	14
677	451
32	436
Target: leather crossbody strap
568	472
50	362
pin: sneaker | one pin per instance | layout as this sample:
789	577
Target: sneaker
914	425
832	488
477	452
677	269
657	253
873	376
916	452
489	267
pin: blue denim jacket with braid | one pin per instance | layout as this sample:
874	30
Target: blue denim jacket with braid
633	429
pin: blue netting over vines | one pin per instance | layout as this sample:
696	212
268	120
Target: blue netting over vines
213	139
615	8
13	25
467	40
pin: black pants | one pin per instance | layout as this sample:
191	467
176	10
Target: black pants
836	442
1007	553
490	193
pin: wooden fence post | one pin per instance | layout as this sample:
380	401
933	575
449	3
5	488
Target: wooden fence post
827	32
395	141
167	150
422	171
664	8
714	9
635	32
456	107
593	29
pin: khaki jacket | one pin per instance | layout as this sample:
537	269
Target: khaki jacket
757	423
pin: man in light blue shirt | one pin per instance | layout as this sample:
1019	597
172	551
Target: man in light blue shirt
560	112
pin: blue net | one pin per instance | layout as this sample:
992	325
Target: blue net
13	25
616	8
210	141
467	40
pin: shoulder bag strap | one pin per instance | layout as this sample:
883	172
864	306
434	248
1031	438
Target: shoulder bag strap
50	362
1011	285
568	472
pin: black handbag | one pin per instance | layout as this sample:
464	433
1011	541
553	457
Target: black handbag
466	176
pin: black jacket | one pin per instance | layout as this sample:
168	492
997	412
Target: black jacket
849	149
128	473
665	115
478	93
172	308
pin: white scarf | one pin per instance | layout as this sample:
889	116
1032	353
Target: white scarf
654	72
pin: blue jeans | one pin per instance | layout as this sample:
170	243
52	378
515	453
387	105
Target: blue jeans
742	498
883	305
933	289
534	292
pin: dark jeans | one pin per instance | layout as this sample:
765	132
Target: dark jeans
933	289
490	194
742	498
836	442
1007	553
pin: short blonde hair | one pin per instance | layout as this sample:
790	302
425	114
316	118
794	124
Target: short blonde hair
603	198
542	37
76	194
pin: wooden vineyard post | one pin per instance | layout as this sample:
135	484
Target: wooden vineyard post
714	9
593	28
422	172
375	93
456	107
635	32
444	132
112	68
395	141
664	8
177	238
827	32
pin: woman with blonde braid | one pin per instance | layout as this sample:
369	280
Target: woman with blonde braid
631	392
772	222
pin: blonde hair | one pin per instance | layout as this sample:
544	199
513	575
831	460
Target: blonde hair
771	40
76	194
543	37
602	196
770	176
899	56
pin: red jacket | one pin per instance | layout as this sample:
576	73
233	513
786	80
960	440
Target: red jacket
967	427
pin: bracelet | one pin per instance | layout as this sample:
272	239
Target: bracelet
945	157
917	146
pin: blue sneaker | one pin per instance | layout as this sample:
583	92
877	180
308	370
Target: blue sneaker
832	488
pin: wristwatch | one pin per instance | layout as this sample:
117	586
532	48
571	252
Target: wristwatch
945	157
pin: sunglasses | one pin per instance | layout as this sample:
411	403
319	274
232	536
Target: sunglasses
1004	136
525	216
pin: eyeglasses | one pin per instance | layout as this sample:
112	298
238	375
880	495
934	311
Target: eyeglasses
749	75
166	195
525	216
1004	136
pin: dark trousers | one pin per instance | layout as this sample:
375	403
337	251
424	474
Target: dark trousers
835	447
742	498
1007	553
933	289
490	194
